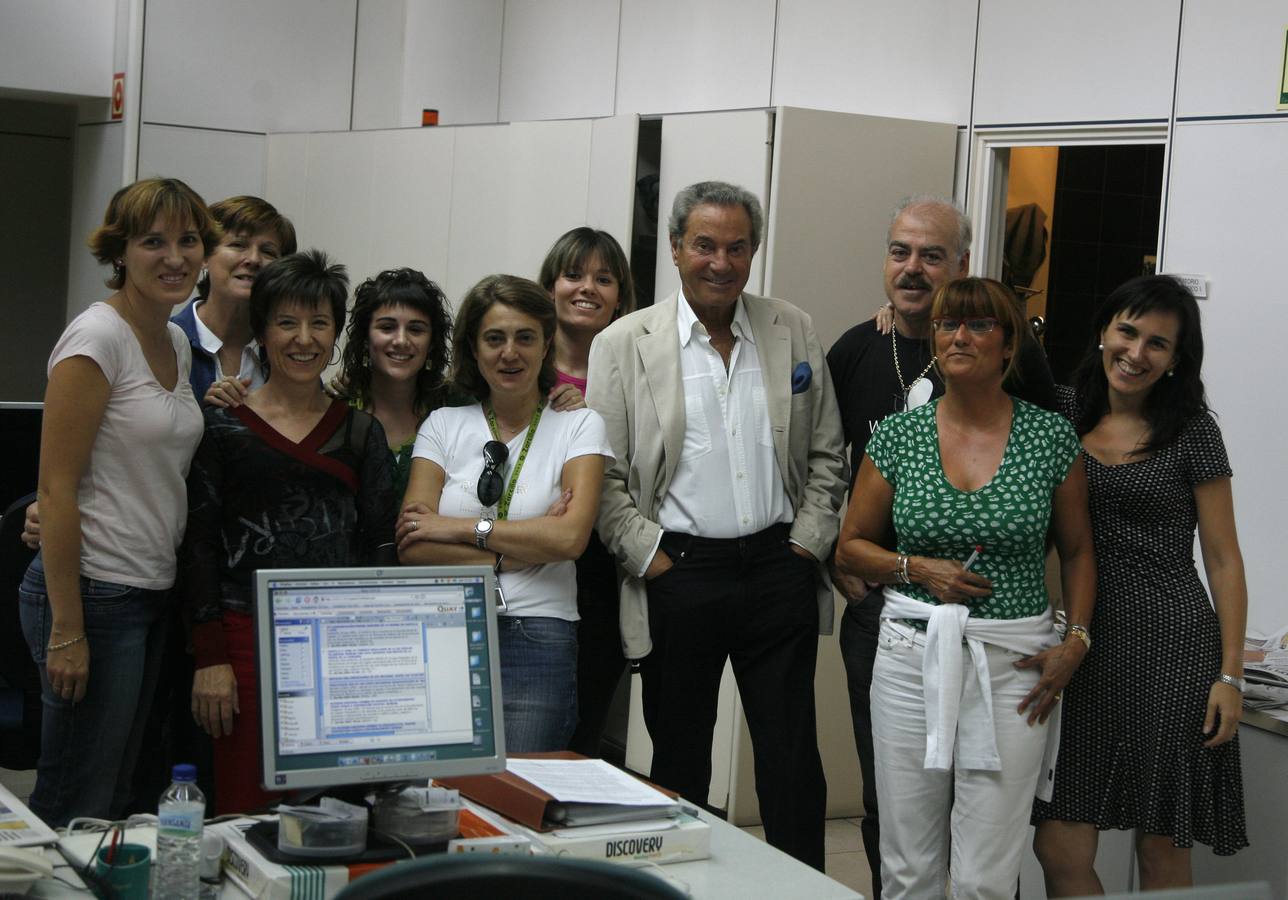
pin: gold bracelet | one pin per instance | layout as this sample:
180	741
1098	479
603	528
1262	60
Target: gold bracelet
76	640
1082	634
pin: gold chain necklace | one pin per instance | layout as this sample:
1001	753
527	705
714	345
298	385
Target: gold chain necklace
898	372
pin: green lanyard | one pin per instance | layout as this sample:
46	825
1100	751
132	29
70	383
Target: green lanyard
503	507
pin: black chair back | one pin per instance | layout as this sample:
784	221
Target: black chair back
19	677
469	877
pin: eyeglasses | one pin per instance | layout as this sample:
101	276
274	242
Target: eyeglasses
491	484
976	325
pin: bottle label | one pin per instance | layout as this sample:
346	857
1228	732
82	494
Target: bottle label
180	822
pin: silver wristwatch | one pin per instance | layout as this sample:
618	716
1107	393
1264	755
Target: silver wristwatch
1240	684
482	531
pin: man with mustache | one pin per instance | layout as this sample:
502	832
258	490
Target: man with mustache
876	374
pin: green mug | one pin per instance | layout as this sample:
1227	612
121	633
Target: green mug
127	873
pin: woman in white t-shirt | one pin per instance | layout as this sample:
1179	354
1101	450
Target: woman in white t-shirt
120	428
512	483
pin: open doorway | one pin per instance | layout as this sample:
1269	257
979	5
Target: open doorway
1080	220
1099	190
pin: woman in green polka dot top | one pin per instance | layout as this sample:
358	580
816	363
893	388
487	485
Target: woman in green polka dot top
969	667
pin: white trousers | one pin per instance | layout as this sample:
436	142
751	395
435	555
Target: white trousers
966	824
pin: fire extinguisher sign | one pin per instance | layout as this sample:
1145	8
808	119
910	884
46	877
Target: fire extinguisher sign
118	96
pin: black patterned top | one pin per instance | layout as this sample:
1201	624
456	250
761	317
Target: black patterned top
257	500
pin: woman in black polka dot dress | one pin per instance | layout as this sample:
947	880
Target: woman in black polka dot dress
1149	732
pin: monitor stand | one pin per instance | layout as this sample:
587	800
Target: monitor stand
263	837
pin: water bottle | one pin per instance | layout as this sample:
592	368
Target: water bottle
179	820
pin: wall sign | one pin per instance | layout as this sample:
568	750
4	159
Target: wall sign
118	96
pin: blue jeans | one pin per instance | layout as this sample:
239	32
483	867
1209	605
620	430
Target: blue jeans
88	749
538	682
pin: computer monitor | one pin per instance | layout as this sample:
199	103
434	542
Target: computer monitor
377	675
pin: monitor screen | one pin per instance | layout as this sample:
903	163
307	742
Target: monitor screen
383	674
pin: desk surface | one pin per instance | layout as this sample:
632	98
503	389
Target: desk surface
740	866
743	866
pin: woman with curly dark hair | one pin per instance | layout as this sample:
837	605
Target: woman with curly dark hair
395	360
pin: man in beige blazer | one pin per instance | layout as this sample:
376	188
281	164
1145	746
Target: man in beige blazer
723	498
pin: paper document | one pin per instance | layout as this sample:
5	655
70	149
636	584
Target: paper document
19	826
586	781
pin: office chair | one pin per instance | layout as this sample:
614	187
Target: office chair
471	876
19	677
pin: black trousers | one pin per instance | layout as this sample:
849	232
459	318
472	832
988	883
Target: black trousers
752	601
600	663
858	641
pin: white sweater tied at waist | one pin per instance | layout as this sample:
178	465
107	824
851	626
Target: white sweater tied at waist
959	711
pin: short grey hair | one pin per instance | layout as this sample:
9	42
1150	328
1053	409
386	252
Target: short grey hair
944	204
716	193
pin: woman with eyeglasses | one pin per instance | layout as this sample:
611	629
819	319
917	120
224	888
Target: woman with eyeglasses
513	483
951	509
1162	756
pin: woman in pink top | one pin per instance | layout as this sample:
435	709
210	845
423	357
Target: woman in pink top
589	278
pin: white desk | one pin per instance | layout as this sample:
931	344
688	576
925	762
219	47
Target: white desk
740	866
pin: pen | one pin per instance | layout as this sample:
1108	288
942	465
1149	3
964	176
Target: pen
974	555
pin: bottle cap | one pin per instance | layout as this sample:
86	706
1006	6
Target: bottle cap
184	772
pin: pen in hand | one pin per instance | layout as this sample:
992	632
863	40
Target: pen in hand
974	556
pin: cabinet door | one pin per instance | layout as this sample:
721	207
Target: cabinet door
836	178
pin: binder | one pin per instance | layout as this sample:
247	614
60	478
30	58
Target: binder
522	802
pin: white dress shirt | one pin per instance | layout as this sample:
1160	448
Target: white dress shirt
210	342
727	482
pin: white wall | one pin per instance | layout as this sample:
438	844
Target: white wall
1229	57
378	64
558	59
244	65
96	176
681	56
215	164
456	202
452	60
57	46
854	57
1094	60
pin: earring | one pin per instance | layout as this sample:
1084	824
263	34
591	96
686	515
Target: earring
365	362
1171	371
335	354
1100	346
205	273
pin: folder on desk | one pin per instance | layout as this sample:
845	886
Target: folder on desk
521	801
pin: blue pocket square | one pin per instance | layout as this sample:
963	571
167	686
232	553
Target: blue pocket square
802	375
